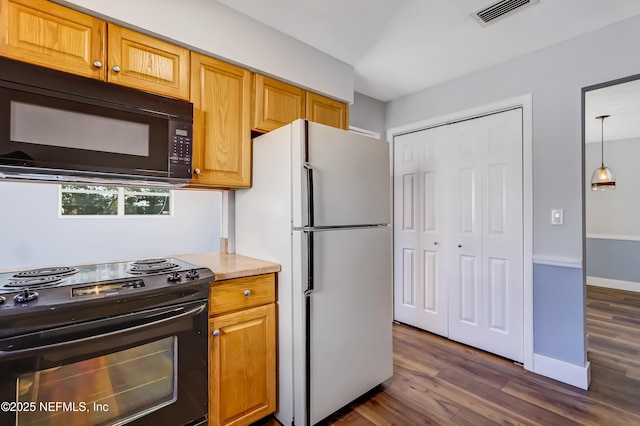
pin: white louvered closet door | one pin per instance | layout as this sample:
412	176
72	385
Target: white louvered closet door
474	275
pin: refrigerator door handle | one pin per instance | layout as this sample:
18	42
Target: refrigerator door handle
310	263
309	171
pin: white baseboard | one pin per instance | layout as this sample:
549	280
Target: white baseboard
617	284
563	262
614	237
563	371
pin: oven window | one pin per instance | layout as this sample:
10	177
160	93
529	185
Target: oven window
110	389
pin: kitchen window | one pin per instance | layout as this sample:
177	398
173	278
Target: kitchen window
114	201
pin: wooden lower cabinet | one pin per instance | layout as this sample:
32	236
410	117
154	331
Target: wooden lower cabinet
242	359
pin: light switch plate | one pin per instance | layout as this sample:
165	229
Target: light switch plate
556	216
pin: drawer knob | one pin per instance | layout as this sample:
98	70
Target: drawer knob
247	292
216	333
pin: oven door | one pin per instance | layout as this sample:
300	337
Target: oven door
147	368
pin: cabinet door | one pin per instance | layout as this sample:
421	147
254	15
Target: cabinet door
220	93
327	111
242	366
146	63
276	103
49	35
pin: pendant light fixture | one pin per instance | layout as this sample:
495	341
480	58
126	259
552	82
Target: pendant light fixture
602	177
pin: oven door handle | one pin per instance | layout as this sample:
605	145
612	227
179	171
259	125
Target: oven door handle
123	329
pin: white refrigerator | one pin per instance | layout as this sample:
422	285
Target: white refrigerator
320	206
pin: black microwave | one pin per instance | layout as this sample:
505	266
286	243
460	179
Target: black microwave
56	126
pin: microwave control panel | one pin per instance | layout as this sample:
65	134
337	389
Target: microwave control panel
181	147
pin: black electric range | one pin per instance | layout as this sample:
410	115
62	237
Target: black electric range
131	335
67	294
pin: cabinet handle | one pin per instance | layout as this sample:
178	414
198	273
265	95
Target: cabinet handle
435	243
247	292
196	171
97	64
216	333
459	245
116	68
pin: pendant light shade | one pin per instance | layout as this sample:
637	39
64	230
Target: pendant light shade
602	178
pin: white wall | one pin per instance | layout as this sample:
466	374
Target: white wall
32	233
215	29
367	113
623	203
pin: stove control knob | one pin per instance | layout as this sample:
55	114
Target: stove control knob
2	299
25	296
174	276
193	274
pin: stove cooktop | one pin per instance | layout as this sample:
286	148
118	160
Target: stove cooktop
46	284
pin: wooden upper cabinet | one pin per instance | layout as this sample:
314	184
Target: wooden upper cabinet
49	35
323	110
221	96
275	103
146	63
53	36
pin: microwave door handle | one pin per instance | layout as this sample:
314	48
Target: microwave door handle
19	353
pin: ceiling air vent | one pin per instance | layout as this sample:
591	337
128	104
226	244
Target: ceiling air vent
499	9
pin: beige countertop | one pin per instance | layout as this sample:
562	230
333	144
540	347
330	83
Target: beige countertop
228	265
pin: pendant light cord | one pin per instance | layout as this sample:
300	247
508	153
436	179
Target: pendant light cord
602	141
601	118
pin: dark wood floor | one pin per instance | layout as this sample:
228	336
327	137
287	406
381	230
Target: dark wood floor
440	382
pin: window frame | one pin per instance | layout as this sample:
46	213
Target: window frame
121	192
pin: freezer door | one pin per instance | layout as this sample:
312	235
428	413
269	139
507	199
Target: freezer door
351	177
350	317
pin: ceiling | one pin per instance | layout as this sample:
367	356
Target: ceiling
622	103
398	47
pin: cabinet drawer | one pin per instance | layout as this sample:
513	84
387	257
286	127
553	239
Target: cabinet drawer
241	293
